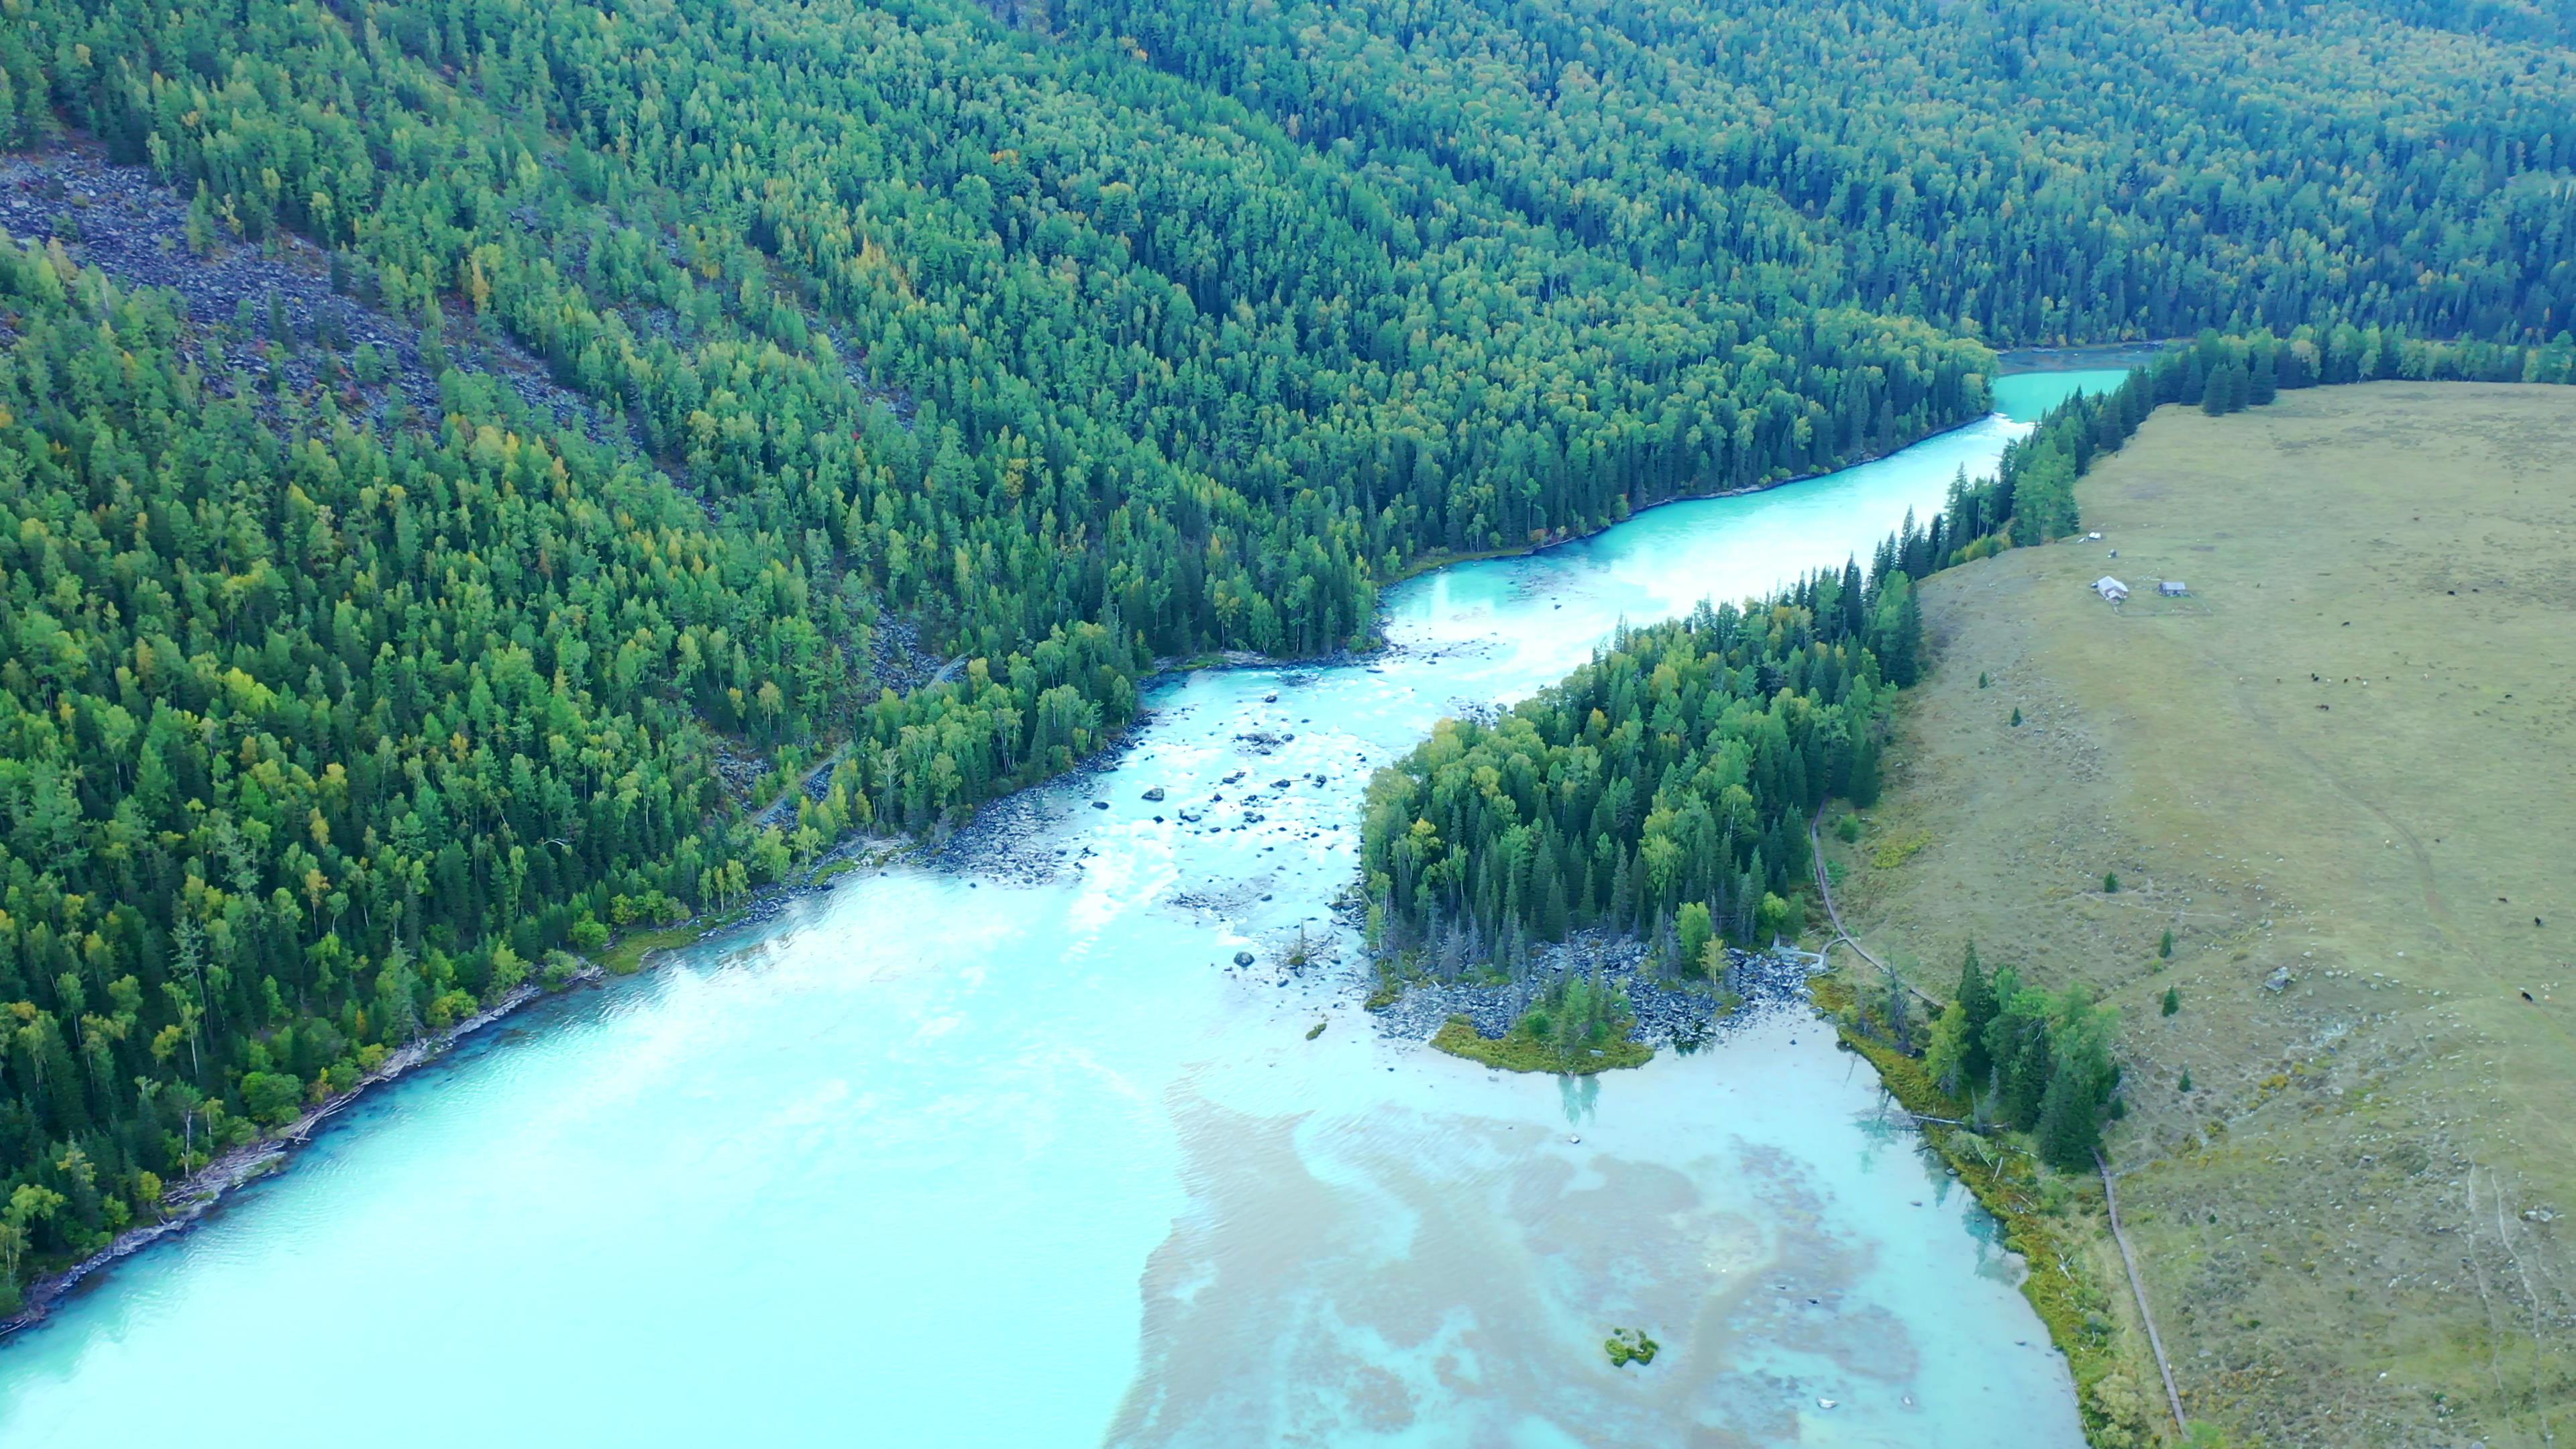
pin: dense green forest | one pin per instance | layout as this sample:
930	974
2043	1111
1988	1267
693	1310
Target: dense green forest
316	739
1030	334
1664	787
2022	172
1064	346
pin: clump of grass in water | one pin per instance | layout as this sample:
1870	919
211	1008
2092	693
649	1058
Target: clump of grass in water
1316	1030
1522	1051
1630	1345
1389	989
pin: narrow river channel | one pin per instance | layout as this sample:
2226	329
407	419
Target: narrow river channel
1013	1155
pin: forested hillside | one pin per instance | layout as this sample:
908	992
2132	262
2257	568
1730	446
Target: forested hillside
2023	172
335	706
1030	333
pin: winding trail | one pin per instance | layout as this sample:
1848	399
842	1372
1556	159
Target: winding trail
1825	887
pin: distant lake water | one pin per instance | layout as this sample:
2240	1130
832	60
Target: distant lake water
1017	1157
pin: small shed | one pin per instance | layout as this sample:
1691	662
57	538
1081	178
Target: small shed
2173	588
2110	588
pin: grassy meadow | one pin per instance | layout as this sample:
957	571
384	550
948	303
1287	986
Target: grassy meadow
2338	771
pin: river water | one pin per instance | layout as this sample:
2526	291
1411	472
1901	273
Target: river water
1014	1155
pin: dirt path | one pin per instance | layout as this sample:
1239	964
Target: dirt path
1825	887
2138	1286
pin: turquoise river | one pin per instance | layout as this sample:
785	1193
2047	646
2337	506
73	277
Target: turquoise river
1013	1155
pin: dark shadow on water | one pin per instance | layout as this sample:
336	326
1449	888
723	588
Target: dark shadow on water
1582	1097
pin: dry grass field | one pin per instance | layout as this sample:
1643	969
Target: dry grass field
2342	772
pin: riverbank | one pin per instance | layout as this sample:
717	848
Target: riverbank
1433	563
1669	1014
189	1201
2085	356
2055	1223
2366	1051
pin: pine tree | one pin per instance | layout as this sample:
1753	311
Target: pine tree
1865	781
1553	910
2027	1073
2069	1128
1976	1000
2173	1000
2218	392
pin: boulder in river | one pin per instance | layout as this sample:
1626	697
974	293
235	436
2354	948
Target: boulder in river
1154	793
1242	958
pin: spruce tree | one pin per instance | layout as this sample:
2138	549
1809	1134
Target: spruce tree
2026	1076
2068	1126
2216	391
1977	1000
2265	384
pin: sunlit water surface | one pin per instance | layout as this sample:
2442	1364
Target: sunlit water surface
941	1159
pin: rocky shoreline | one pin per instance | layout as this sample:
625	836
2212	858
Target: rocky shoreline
190	1200
1683	1015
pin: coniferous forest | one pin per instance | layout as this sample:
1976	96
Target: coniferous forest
1054	344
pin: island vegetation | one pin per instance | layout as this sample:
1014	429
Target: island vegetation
1627	1346
1578	1025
